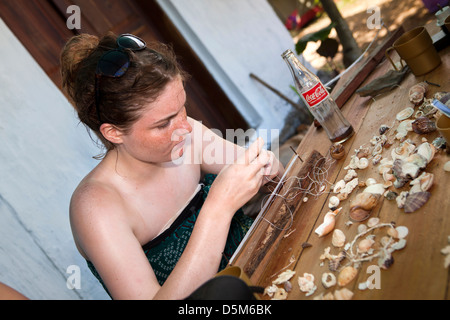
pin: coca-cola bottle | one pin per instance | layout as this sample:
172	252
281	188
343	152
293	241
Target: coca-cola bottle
318	100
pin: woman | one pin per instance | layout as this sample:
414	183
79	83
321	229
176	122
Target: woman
147	224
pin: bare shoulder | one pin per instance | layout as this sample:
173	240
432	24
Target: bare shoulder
97	210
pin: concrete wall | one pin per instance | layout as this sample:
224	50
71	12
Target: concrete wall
235	38
44	154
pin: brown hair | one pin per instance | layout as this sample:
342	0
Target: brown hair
122	98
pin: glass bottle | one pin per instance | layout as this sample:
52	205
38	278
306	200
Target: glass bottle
318	100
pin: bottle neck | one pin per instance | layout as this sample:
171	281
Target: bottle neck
304	79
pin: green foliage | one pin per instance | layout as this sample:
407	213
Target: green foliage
321	35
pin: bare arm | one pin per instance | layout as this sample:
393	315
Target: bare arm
106	236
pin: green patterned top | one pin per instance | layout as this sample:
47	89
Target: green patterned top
164	251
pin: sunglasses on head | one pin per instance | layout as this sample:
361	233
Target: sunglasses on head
114	63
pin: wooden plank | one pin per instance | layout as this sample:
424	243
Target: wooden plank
418	271
350	83
274	224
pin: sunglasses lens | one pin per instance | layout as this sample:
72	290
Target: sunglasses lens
113	64
131	42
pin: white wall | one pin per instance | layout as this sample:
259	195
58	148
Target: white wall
235	38
44	154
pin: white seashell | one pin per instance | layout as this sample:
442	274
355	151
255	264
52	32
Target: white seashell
328	280
283	277
306	283
339	186
405	114
375	189
364	245
373	222
280	294
403	128
328	224
401	199
402	231
343	294
333	202
350	186
363	163
350	175
447	166
427	151
338	239
399	245
362	228
422	183
370	181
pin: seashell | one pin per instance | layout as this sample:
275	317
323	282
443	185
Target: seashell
359	214
328	280
383	129
417	93
376	159
422	183
338	239
403	151
427	151
365	245
339	186
415	201
343	294
342	196
333	202
405	114
402	232
363	152
370	181
399	245
328	224
424	125
392	232
306	283
365	200
401	199
390	195
363	163
351	174
350	186
375	189
284	276
439	143
346	276
280	294
447	166
362	228
335	262
386	261
403	128
373	222
287	286
337	151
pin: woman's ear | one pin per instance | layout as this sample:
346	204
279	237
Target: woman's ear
111	133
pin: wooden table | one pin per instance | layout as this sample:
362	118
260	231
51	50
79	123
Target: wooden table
418	270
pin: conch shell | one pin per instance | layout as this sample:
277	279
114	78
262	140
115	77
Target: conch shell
363	205
328	223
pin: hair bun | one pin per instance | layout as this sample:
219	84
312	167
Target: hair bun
75	51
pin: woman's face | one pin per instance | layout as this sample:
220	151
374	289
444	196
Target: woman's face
160	133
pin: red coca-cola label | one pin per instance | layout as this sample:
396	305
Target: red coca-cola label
315	95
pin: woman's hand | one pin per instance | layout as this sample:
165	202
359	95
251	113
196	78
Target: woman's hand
237	183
